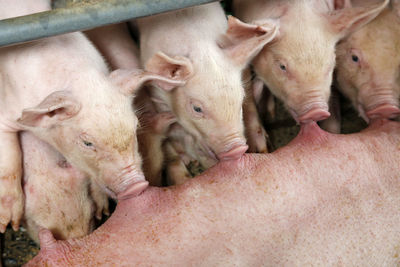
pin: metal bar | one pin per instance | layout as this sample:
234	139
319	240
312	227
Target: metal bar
84	16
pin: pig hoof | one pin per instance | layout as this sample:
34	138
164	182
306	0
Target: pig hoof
134	190
11	210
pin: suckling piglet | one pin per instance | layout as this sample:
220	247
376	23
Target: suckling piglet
57	194
60	89
368	66
199	48
298	65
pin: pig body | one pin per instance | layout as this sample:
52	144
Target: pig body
116	45
57	194
297	67
368	64
198	47
323	200
60	90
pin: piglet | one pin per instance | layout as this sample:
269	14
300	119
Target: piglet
116	45
122	54
60	89
198	47
297	66
57	194
368	63
322	200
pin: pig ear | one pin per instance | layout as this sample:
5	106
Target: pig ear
129	81
58	106
178	69
347	20
244	41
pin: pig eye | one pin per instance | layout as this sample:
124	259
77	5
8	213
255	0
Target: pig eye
282	67
355	58
88	144
197	109
85	143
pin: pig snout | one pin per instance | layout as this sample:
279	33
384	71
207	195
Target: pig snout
234	153
129	182
379	103
385	111
133	182
316	114
308	108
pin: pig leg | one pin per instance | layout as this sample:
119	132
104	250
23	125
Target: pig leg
332	124
177	173
100	200
11	196
255	133
151	138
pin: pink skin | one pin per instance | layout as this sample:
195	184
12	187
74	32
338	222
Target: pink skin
297	68
57	194
198	46
314	115
324	199
370	79
116	45
68	98
384	111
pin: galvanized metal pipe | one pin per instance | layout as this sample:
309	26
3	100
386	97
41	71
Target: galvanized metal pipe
83	16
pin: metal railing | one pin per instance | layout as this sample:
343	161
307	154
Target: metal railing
83	16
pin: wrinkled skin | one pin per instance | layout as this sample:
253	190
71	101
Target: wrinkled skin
324	200
198	47
57	194
368	64
297	66
60	90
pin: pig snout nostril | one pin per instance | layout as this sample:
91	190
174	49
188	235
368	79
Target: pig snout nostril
314	115
234	153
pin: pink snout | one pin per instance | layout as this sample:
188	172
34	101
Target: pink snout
385	111
316	114
133	190
234	153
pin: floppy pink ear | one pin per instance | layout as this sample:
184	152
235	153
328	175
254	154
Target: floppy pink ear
244	41
178	68
346	20
58	106
129	81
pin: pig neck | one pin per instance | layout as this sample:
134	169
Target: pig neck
29	77
291	184
17	8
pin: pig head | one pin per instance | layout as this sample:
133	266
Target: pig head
368	65
95	130
298	65
209	104
57	194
